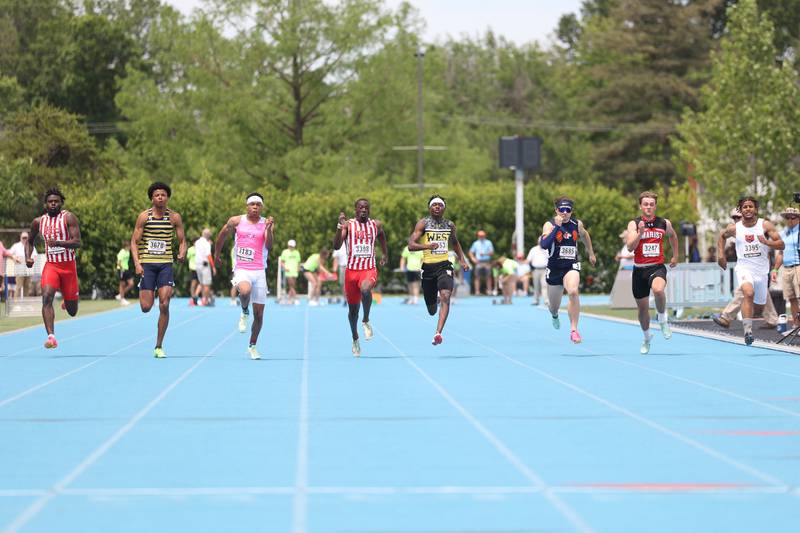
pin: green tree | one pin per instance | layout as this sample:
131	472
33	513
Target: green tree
747	137
644	64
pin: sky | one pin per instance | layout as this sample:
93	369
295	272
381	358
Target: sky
520	21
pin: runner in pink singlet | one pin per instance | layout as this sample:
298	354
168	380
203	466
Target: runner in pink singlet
253	239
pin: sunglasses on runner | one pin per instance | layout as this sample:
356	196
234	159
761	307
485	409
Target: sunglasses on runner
565	210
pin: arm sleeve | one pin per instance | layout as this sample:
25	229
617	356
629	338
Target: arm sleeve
547	242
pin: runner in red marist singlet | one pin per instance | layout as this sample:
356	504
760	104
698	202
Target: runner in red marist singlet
62	236
361	274
646	240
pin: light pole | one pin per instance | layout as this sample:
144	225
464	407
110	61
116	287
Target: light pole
420	54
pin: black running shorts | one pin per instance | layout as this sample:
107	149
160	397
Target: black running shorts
436	277
643	279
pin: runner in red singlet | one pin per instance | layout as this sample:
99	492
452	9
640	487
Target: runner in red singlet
646	239
361	274
62	236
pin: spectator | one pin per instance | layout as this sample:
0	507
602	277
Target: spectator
313	269
523	275
694	251
789	259
339	266
4	253
411	264
711	256
624	256
191	262
480	253
22	283
289	261
204	261
537	257
507	277
124	272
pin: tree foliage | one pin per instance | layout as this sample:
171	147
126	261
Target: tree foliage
747	137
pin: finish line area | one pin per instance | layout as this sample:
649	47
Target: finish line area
505	427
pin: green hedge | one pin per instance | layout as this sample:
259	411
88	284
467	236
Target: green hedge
107	215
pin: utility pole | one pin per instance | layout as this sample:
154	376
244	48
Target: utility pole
420	54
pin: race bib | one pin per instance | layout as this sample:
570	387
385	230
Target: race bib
441	249
245	255
568	252
362	250
157	247
56	249
651	249
752	250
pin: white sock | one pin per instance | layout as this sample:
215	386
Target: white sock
748	325
662	317
647	335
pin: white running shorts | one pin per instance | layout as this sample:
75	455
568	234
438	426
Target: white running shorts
756	279
257	280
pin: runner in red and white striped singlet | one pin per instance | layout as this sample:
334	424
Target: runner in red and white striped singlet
62	236
361	244
361	275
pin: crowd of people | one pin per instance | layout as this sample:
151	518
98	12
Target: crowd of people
551	269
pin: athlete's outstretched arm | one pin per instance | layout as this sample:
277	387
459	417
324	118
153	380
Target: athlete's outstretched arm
32	234
269	233
177	221
457	247
775	242
587	241
222	236
673	242
138	229
341	231
382	240
73	232
413	245
633	235
729	231
548	235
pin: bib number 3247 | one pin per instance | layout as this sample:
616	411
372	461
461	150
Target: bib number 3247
651	249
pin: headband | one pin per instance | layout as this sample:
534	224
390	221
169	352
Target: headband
255	198
564	203
436	200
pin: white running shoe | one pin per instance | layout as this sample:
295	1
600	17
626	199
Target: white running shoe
645	349
243	323
253	351
124	302
665	330
356	348
556	322
367	331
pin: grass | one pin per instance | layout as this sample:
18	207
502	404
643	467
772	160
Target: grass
86	307
631	314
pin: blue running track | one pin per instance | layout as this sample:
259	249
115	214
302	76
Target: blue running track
506	427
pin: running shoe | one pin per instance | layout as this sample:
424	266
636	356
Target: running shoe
159	353
575	337
192	303
243	323
124	302
51	342
748	339
437	339
665	330
556	322
645	349
253	351
367	331
356	348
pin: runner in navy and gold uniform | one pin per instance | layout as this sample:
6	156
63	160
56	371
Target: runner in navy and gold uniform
645	237
433	235
151	247
560	236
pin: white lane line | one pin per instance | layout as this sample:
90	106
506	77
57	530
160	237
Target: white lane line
300	504
76	336
36	507
66	319
711	452
701	385
568	512
56	379
444	490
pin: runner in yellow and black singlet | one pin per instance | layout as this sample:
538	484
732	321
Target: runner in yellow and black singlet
433	235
